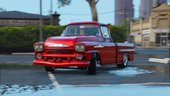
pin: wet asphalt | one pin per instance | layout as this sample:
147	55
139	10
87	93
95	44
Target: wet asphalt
36	75
140	71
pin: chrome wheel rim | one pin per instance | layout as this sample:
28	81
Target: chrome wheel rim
125	60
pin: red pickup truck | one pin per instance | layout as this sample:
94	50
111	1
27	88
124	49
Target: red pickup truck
83	45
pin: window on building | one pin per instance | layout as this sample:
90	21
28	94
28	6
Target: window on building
158	39
146	37
163	14
169	38
162	39
164	34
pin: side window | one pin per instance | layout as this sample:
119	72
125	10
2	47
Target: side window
105	32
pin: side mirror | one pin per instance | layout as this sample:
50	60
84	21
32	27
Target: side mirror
108	26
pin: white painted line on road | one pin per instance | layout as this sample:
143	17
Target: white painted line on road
53	79
12	62
154	83
158	60
71	90
18	62
23	53
56	85
102	85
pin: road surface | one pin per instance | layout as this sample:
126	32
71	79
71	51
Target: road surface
141	78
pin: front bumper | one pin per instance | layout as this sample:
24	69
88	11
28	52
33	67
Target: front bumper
62	58
62	64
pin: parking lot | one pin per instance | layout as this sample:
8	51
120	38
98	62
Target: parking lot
19	77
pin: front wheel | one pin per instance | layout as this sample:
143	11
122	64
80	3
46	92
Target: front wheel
92	68
124	62
49	69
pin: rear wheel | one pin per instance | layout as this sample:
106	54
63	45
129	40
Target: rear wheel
92	68
49	69
124	62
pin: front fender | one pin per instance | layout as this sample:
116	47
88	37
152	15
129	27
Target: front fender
88	54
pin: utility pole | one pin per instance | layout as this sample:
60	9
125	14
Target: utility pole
51	12
127	22
40	24
169	46
128	28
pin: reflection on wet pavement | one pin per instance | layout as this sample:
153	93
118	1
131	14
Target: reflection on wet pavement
159	68
13	89
81	90
130	71
146	56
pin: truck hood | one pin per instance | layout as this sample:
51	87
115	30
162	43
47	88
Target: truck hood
69	41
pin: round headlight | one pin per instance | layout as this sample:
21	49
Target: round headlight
38	47
79	47
39	56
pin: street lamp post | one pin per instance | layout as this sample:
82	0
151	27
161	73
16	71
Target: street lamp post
40	24
127	20
128	29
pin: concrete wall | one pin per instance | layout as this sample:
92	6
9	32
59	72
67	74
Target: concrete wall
144	31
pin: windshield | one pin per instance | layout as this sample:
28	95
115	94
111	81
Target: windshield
82	30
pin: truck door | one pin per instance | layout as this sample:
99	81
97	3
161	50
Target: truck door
108	54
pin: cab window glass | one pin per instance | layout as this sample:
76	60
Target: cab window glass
105	32
82	30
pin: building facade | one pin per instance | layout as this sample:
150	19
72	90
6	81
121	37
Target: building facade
124	9
154	31
17	18
157	2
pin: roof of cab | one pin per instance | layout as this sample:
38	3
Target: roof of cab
89	22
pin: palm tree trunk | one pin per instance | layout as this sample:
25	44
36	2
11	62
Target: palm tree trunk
92	4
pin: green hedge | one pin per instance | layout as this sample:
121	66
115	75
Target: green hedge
21	39
118	33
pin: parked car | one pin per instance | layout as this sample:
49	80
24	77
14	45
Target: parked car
137	44
83	45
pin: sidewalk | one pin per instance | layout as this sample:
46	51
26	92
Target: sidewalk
159	47
24	53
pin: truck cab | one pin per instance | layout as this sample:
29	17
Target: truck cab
83	45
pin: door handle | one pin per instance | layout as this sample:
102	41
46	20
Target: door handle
99	46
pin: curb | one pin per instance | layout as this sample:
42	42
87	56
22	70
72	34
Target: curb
22	53
157	60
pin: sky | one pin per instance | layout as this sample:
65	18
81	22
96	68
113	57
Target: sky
78	10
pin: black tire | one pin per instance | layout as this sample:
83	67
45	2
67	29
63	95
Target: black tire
124	62
92	68
49	69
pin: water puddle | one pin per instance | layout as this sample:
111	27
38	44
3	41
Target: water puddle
21	90
130	71
71	90
158	68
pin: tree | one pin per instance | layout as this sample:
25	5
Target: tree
2	10
92	4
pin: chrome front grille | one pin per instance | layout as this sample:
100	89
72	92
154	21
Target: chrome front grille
54	51
58	59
